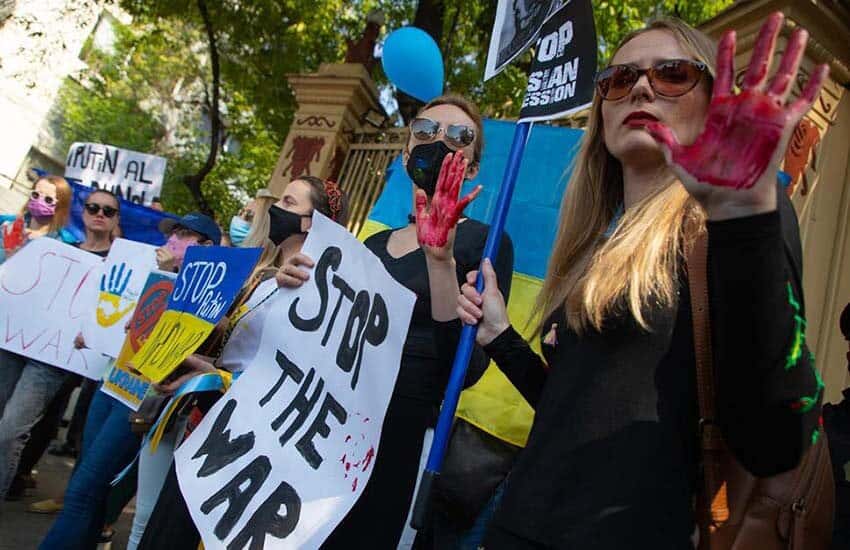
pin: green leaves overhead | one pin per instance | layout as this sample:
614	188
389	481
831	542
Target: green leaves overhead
151	92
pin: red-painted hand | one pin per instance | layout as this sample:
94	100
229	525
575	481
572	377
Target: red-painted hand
745	134
436	221
13	237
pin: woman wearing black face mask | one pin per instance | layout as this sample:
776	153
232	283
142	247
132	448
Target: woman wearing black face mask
286	223
445	125
281	230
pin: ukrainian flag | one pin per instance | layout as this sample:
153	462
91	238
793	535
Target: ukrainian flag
493	404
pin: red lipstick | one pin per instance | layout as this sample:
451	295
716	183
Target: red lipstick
638	119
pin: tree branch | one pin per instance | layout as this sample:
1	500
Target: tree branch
447	54
193	181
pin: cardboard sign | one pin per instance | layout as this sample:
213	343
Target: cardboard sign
285	454
124	274
136	177
120	381
208	282
46	294
562	76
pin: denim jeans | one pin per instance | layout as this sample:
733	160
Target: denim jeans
26	389
472	539
108	446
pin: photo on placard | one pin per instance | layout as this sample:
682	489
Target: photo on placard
515	29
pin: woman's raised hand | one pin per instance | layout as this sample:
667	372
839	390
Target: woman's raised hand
487	310
435	223
731	168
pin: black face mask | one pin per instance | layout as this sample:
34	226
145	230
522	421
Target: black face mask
283	224
424	163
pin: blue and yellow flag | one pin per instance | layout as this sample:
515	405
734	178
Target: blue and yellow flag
493	404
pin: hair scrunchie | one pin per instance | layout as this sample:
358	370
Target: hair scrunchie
334	194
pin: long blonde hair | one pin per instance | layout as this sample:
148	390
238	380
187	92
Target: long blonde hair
258	237
259	232
595	278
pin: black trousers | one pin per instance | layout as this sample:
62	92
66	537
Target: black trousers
170	526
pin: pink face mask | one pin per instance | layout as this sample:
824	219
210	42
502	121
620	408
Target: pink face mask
178	246
40	209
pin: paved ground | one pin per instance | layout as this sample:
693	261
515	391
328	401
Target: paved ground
22	530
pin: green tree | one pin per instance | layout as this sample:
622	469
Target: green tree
244	51
151	92
156	92
465	34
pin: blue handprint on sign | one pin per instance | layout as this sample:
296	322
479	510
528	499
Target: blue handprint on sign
109	311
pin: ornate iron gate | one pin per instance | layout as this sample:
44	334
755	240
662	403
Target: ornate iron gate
364	170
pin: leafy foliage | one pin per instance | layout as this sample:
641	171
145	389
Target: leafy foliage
466	34
152	92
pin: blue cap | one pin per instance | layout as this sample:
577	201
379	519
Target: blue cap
195	221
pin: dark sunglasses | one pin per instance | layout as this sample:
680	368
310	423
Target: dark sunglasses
47	198
669	78
93	208
425	129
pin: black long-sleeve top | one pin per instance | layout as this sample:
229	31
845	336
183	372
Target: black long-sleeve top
425	364
611	461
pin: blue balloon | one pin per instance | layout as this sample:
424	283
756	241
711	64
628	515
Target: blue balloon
413	62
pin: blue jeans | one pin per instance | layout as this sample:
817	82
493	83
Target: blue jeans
446	535
26	389
472	539
108	446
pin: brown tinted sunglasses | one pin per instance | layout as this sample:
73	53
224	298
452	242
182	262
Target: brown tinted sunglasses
668	78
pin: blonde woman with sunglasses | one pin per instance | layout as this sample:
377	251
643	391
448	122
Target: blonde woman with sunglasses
671	153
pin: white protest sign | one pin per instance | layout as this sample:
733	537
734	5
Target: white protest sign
134	176
125	271
285	454
47	290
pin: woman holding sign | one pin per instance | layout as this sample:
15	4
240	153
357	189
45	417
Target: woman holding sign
672	156
444	126
109	443
100	218
27	386
289	219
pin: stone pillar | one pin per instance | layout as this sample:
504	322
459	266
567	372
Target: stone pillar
817	159
331	104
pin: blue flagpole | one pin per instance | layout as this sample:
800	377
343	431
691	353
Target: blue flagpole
467	335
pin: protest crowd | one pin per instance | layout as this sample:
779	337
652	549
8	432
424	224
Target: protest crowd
284	391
